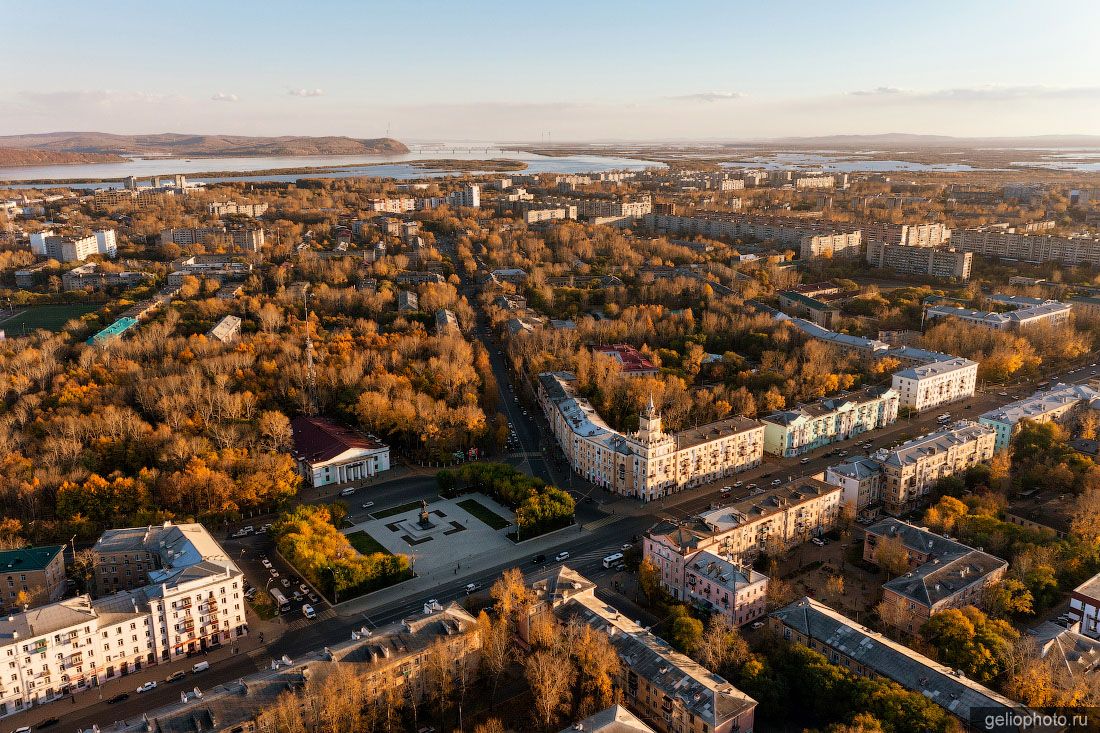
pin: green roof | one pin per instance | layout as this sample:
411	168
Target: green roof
28	558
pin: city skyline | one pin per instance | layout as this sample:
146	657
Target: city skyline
572	72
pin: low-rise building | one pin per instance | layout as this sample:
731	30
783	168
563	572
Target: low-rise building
820	312
928	386
870	654
90	275
615	719
632	362
1047	314
330	453
790	433
445	321
1084	607
860	479
1061	405
911	469
407	301
31	576
944	574
227	330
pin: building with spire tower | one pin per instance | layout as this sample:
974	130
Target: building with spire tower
649	463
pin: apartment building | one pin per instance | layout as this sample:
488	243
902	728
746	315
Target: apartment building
469	195
860	479
74	247
813	238
330	453
445	321
944	574
668	690
912	468
243	238
1061	404
90	275
31	576
945	262
806	428
1084	607
533	212
1048	313
843	341
928	386
719	586
649	463
391	657
819	312
929	234
869	654
773	522
168	590
1008	244
219	268
392	206
225	208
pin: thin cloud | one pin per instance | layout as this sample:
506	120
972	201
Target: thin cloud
707	97
877	92
306	92
223	97
94	97
980	94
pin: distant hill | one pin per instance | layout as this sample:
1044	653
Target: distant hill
22	156
906	140
194	146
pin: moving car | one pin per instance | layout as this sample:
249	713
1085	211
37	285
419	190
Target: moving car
347	492
818	541
804	461
563	555
472	588
776	482
308	612
150	685
200	667
175	676
118	698
368	505
539	559
725	490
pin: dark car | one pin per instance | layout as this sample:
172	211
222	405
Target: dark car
539	559
118	698
48	722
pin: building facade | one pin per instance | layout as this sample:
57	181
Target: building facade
330	453
31	576
944	262
1060	405
790	433
649	463
928	386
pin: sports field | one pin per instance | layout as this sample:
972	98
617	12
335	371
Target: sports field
27	319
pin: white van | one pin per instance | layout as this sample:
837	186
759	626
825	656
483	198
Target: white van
612	559
200	667
308	612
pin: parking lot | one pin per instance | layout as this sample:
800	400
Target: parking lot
265	571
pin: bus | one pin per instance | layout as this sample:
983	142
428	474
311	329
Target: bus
612	560
281	601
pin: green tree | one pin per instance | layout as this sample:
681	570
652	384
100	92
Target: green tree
968	639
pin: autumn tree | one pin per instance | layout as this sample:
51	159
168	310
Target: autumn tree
548	674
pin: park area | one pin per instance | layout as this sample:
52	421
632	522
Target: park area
27	319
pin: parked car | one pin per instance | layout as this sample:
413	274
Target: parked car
725	490
121	697
175	676
368	505
303	587
738	484
758	624
777	482
274	573
150	685
308	612
818	541
266	563
200	667
804	461
472	588
285	582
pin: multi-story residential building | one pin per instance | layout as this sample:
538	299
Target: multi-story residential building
820	312
649	463
789	433
861	482
416	277
407	301
392	206
943	574
912	468
393	658
1061	404
90	275
330	453
929	234
719	586
615	719
31	576
225	208
1084	607
670	691
244	238
944	262
533	212
513	275
75	247
469	196
220	268
773	522
605	207
813	238
1048	313
869	654
938	383
632	362
445	321
1011	245
843	341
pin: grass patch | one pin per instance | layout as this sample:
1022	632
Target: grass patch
484	513
393	510
49	317
365	544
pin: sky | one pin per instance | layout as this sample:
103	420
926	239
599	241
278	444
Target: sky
521	71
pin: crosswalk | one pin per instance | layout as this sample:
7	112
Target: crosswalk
603	522
301	621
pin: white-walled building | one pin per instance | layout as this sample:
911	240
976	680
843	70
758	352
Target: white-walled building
330	453
1058	405
861	482
789	433
928	386
650	463
66	248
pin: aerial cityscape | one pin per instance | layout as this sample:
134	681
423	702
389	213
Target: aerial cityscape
610	367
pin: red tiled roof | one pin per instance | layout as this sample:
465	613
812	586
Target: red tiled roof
317	439
629	358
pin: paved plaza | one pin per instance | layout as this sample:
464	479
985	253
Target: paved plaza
449	534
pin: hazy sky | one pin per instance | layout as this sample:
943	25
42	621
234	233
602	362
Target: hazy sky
513	71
